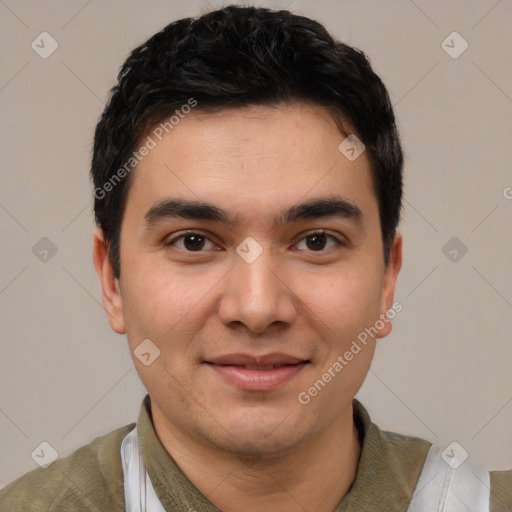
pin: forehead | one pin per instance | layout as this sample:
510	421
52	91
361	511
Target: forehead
254	158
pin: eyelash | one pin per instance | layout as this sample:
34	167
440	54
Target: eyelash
311	234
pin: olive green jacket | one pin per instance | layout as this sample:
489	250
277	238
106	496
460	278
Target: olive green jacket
91	478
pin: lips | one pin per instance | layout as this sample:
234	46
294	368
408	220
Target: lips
257	373
273	359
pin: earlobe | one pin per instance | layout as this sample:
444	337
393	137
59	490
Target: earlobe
111	293
390	277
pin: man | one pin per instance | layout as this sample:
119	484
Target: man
248	182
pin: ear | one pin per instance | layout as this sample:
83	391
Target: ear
111	293
388	289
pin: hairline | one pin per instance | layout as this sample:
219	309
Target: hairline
342	124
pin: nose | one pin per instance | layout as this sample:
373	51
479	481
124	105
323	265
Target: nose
257	295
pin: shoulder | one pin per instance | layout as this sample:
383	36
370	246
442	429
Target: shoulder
501	491
90	478
402	455
397	454
389	466
406	456
393	442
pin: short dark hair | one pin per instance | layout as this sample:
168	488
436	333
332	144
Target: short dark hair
234	57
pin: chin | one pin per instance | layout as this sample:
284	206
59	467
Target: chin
258	430
252	447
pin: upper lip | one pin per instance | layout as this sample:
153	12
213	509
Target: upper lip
275	358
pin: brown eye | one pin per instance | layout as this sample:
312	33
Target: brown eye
318	242
191	242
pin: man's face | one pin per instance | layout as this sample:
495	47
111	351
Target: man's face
248	314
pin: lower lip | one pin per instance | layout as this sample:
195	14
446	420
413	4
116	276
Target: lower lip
257	380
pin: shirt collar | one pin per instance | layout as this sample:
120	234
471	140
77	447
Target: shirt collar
388	469
386	475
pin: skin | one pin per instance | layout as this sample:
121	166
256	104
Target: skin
262	449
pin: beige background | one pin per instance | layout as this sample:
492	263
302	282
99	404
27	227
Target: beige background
445	372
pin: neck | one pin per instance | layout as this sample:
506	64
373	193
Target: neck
315	476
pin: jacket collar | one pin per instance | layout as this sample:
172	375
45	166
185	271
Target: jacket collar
386	477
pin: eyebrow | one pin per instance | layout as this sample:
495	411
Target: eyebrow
322	207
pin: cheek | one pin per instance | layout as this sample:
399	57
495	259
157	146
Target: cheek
346	303
160	303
